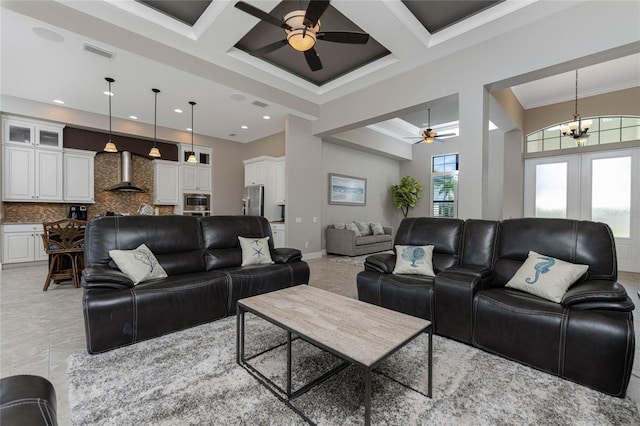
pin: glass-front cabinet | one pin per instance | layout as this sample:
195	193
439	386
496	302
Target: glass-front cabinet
34	134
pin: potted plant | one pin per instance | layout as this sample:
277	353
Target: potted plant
406	194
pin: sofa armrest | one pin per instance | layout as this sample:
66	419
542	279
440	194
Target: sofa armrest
98	276
595	293
473	271
383	263
285	255
340	241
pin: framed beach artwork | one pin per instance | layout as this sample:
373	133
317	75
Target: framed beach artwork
347	190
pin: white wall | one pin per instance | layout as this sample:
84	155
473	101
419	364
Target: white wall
380	172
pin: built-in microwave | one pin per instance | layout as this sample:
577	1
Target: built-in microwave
197	202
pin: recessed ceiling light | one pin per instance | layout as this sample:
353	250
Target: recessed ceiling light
244	127
47	34
266	117
58	101
237	97
178	110
108	93
133	117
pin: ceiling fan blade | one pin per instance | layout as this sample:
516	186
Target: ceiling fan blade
420	141
268	48
262	15
444	135
313	59
315	9
343	37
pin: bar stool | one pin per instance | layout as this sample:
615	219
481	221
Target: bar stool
64	239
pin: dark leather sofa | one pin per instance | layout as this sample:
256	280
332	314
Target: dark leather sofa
202	258
587	338
27	400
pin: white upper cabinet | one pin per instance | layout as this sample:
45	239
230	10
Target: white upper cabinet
35	134
254	173
31	175
280	182
78	167
166	183
196	177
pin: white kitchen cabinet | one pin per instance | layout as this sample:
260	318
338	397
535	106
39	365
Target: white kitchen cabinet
31	174
278	232
22	243
195	178
203	154
32	133
203	178
78	170
280	182
166	189
254	173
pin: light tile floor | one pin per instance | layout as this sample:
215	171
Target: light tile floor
39	330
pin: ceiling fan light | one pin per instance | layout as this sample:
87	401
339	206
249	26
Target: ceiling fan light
155	152
300	37
301	40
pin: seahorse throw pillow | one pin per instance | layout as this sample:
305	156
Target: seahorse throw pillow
255	251
416	260
546	277
139	264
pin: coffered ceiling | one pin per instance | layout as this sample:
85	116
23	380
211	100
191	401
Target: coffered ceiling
48	51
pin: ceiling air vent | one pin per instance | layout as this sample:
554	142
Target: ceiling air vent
98	51
260	104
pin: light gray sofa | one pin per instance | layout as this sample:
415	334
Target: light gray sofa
345	242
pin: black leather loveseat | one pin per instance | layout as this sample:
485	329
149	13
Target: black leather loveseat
588	337
202	258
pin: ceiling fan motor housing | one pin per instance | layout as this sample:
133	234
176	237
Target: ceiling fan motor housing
300	36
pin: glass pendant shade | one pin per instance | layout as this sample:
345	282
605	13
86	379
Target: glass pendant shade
110	146
155	152
192	158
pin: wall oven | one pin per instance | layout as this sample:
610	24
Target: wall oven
196	203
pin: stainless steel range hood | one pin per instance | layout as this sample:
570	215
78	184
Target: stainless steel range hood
126	174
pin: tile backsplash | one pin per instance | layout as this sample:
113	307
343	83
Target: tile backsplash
106	174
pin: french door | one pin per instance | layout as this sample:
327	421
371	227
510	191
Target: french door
600	186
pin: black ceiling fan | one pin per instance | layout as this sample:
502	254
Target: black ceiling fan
429	135
302	29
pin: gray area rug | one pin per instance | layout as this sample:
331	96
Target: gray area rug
355	260
191	378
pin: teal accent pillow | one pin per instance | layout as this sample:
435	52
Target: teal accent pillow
255	251
416	260
139	264
546	277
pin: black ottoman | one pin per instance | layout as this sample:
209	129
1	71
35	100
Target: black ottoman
27	400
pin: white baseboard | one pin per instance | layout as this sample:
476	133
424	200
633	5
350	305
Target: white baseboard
308	256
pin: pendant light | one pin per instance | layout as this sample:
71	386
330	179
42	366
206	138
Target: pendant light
155	152
110	146
192	157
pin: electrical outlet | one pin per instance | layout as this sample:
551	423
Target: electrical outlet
315	219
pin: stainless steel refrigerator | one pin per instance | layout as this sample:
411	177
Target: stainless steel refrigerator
253	200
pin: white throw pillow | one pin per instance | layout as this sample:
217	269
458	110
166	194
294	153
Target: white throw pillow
354	228
255	251
416	260
376	228
364	228
339	225
546	277
139	264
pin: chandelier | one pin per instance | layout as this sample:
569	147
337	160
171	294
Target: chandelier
578	128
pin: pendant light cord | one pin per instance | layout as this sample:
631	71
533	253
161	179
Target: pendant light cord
576	108
110	95
192	105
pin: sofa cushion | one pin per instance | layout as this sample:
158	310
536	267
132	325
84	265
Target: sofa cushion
369	239
416	260
376	228
546	277
255	251
353	227
139	264
383	238
364	228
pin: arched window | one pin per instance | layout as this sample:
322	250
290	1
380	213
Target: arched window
604	130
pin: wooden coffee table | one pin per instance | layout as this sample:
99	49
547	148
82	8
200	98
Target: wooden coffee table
357	332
